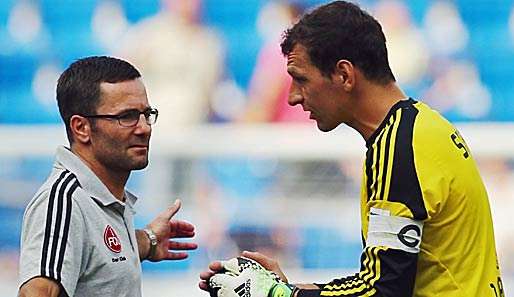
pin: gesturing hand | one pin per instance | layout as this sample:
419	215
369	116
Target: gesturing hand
165	229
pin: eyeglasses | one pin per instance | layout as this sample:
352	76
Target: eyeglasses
129	118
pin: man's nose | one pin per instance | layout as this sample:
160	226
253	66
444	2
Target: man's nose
294	98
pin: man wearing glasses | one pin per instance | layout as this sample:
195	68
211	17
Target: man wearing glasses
78	237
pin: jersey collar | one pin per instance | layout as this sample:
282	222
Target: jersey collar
65	158
400	104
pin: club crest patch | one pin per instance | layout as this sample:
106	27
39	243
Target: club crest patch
111	240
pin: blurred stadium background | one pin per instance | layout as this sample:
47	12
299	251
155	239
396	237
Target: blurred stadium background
253	174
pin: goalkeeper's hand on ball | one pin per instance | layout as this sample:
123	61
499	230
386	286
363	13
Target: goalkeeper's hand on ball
243	277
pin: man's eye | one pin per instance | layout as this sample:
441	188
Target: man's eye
130	115
300	79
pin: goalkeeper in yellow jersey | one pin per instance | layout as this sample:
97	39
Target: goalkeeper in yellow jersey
425	214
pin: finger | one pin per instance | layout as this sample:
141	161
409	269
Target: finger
233	265
171	211
216	266
204	285
174	245
260	258
183	235
266	262
205	275
180	225
176	256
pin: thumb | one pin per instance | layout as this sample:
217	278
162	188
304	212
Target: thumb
231	265
259	258
172	210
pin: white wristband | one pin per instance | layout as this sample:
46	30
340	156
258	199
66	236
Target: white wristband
153	243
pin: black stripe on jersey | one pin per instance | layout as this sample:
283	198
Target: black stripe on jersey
405	187
60	191
373	182
48	226
66	230
372	162
386	156
58	225
369	172
377	169
374	273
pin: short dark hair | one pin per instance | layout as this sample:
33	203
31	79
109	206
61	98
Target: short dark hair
78	88
341	30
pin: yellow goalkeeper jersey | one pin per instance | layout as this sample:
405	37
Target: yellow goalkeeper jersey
426	221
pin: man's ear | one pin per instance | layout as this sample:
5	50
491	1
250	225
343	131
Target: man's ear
80	128
345	74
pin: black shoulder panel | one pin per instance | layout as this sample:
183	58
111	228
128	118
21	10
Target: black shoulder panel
405	187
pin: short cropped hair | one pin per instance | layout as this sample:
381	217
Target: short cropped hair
341	30
78	88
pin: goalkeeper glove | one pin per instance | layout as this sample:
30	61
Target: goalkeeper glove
243	277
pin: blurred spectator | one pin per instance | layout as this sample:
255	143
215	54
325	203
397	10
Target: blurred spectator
228	101
444	28
270	82
109	24
43	85
26	28
181	61
407	49
458	91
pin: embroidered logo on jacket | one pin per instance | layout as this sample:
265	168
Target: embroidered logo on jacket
111	240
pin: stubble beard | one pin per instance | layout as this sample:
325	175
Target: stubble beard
117	157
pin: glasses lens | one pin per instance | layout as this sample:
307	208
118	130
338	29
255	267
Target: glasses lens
151	116
129	118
